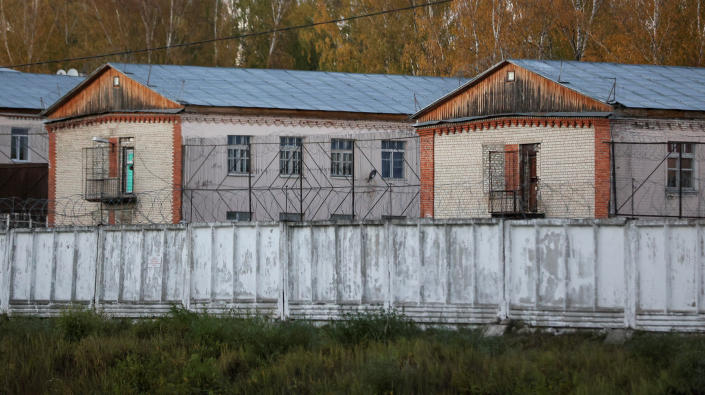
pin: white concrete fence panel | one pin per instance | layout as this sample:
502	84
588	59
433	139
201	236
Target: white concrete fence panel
555	273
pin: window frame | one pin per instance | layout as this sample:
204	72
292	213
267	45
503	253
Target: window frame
342	157
16	137
235	216
680	156
237	145
391	148
292	148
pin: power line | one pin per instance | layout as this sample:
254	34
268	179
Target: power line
234	37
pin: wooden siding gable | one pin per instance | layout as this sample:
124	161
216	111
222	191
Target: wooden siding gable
97	95
493	94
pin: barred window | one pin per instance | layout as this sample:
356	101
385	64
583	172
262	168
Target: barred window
238	216
289	156
681	162
341	157
238	154
19	144
392	159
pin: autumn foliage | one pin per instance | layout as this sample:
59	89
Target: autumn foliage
457	38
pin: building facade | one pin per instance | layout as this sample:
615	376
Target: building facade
24	143
155	144
565	139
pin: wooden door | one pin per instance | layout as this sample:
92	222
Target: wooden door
529	180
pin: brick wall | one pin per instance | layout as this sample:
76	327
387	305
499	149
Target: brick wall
154	167
426	149
566	165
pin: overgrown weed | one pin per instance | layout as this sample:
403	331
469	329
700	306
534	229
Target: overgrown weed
378	352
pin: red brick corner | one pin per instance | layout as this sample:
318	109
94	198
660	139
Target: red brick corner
427	172
602	168
177	176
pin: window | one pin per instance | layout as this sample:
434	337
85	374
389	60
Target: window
392	159
290	217
341	157
289	156
680	166
237	216
20	144
341	217
238	154
510	76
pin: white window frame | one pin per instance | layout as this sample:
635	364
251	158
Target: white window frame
341	157
17	136
290	151
678	150
239	155
391	148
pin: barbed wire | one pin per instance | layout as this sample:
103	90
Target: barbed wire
640	181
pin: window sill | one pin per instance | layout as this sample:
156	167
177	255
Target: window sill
20	160
341	176
676	191
290	176
239	174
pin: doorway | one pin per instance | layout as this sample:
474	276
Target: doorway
528	177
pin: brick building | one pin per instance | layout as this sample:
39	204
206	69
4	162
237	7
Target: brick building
530	138
158	143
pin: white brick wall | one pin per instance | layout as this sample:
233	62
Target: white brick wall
566	170
153	177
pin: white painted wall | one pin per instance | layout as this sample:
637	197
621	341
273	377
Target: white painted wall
558	273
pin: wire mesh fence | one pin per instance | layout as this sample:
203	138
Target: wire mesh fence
294	179
285	178
658	179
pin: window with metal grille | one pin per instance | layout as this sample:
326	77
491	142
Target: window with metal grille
290	217
238	154
681	163
341	217
341	157
290	156
19	144
392	159
237	216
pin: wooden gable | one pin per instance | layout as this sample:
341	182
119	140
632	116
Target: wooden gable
97	95
493	94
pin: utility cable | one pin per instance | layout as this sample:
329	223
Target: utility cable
233	37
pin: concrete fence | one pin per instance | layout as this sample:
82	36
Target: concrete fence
558	273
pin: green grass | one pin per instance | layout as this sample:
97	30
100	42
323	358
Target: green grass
184	352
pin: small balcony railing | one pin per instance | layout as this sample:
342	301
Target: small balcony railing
107	190
511	203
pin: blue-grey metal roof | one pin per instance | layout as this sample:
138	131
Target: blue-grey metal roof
290	89
33	91
635	86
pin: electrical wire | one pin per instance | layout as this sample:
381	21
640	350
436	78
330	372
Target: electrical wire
226	38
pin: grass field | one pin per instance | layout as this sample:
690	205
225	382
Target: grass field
81	352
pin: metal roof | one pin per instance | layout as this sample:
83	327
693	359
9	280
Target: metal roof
33	91
635	86
290	89
631	85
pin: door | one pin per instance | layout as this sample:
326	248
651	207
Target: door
128	159
528	177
